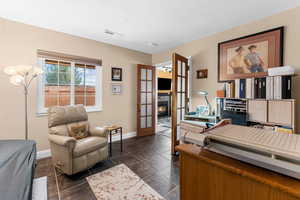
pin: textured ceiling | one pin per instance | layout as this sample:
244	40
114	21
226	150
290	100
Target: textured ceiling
149	26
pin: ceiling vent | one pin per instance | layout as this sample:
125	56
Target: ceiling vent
112	33
109	32
153	44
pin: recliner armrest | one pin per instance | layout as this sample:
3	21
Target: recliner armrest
98	131
62	140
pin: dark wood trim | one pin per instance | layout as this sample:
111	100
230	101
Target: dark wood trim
175	59
281	29
152	130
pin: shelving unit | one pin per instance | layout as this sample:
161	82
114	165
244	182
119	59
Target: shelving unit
279	113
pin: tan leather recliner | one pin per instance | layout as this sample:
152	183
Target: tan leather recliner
68	154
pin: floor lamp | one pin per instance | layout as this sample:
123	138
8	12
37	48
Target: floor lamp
23	75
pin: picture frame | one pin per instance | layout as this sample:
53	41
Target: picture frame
116	74
116	89
251	55
202	73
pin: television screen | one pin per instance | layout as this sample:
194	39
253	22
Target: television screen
164	84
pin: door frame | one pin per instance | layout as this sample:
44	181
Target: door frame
190	76
156	79
138	103
169	62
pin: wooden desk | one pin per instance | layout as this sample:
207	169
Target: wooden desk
210	176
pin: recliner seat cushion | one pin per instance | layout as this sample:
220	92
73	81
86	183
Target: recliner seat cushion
89	144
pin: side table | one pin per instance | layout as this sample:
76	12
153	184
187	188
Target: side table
112	131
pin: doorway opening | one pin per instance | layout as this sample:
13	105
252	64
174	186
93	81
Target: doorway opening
164	99
173	96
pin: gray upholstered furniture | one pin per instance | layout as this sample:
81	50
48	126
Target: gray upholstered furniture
17	166
68	154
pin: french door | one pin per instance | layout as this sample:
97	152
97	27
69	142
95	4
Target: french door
146	91
180	74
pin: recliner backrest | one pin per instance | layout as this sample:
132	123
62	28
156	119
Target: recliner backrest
60	116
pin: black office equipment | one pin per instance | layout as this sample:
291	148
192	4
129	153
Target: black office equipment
242	88
262	88
256	88
286	87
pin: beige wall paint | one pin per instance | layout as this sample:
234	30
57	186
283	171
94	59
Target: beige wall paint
204	52
19	44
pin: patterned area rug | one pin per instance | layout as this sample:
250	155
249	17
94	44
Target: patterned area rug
120	183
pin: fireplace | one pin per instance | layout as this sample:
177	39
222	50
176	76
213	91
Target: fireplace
163	109
163	105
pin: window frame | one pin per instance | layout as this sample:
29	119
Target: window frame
42	110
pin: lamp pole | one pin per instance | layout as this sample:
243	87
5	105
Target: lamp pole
209	106
26	87
23	75
26	112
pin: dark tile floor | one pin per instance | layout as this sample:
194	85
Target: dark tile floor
149	157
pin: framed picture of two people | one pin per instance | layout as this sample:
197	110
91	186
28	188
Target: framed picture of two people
250	56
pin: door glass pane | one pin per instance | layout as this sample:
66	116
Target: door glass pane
143	98
179	100
143	122
182	113
178	84
183	68
178	116
149	98
149	122
179	67
143	86
183	99
143	110
149	74
149	86
143	74
183	84
149	109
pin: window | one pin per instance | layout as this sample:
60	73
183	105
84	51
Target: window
69	83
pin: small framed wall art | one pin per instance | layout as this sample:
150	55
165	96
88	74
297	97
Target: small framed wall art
116	74
202	73
116	88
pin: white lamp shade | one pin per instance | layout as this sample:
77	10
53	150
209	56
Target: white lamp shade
204	93
23	69
11	70
37	71
16	80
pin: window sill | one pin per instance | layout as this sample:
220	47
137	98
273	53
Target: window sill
88	110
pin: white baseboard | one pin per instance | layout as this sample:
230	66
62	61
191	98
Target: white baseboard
47	153
43	154
116	137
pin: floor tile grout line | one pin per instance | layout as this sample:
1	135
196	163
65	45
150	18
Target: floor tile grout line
176	187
